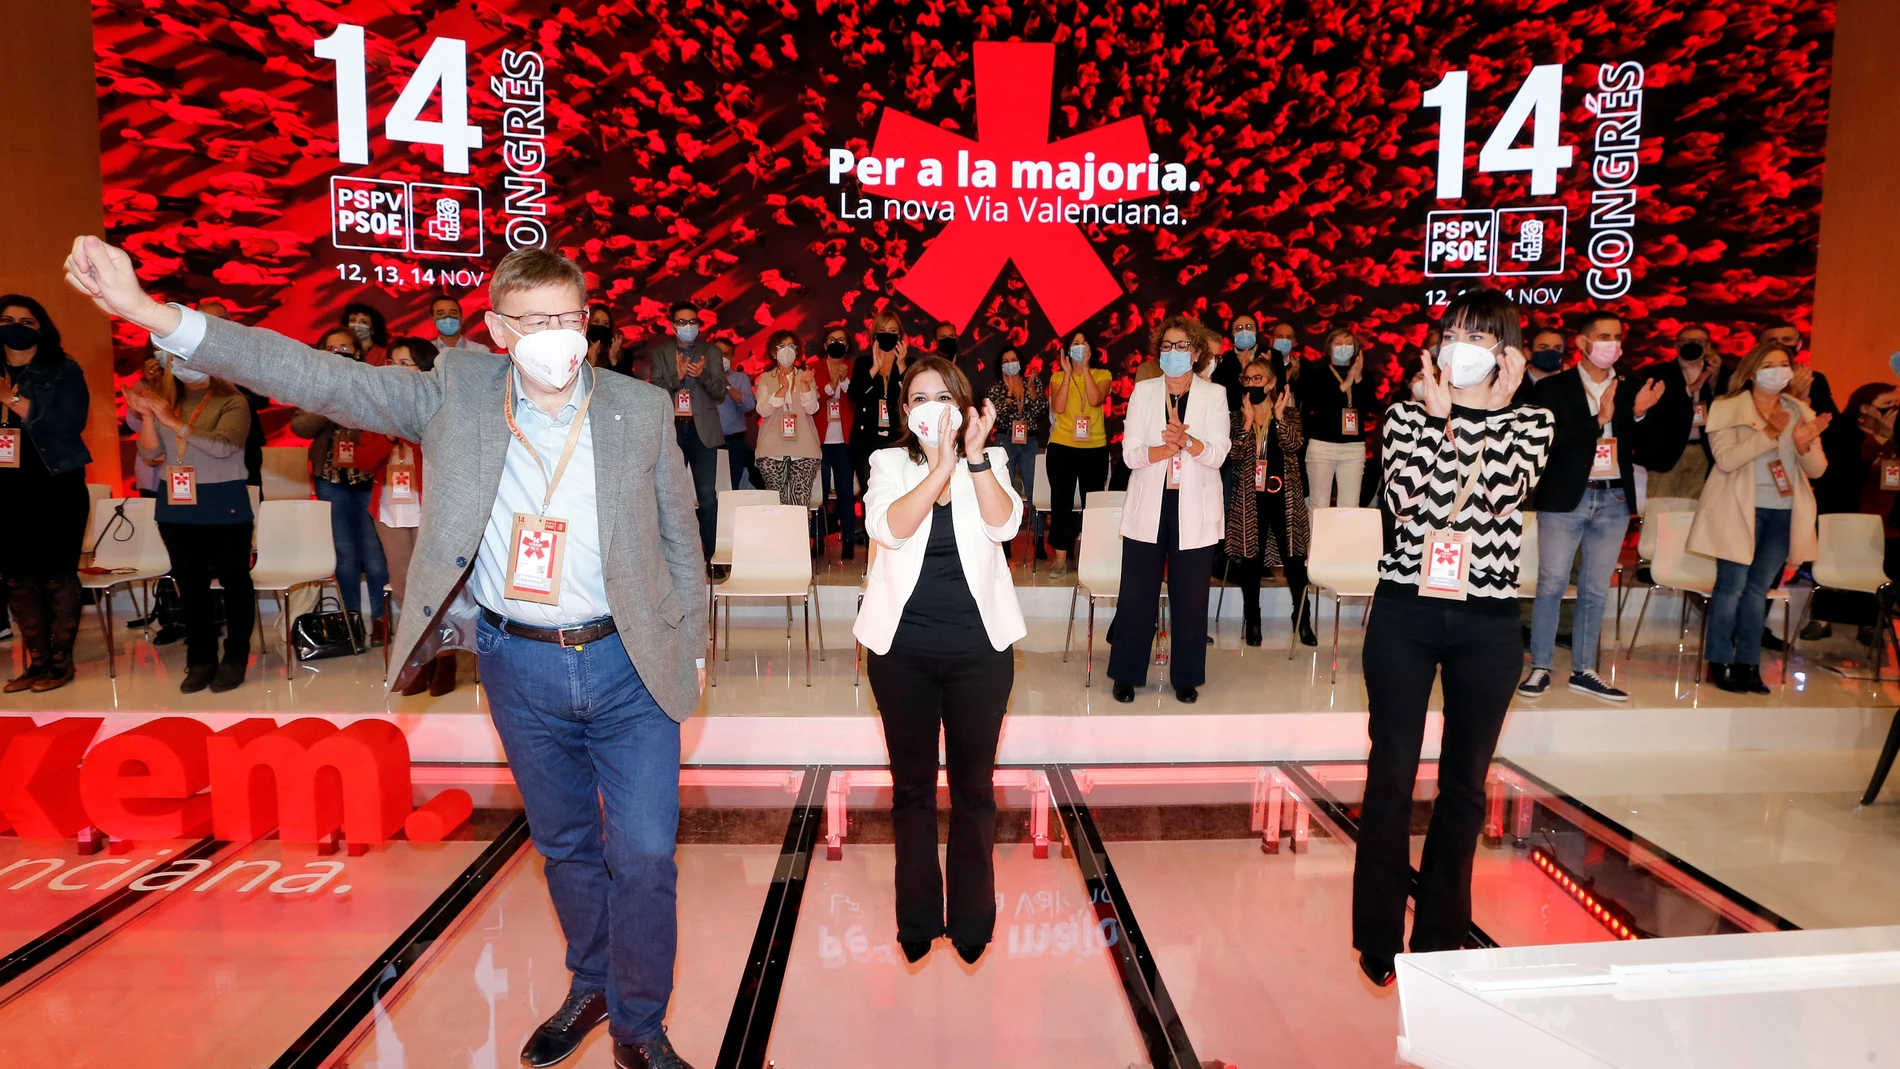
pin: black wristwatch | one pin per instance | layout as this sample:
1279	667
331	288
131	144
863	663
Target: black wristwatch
975	467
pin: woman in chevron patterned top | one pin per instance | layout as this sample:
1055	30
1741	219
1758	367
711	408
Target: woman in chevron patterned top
1460	460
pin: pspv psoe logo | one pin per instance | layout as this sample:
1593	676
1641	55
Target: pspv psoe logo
1474	242
382	215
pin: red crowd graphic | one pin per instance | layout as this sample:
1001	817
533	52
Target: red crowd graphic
684	149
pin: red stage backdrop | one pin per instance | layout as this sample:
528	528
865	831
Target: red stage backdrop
1017	169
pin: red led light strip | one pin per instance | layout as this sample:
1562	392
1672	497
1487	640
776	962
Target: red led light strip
1609	916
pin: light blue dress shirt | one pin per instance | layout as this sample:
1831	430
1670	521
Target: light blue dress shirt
732	415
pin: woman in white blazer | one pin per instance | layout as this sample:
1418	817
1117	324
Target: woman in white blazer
1174	441
939	619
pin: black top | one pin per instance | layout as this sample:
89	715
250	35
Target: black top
941	616
864	391
1656	441
1321	402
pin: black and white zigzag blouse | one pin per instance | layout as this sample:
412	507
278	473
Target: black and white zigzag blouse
1427	459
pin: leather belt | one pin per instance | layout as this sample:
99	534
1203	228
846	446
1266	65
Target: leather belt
575	635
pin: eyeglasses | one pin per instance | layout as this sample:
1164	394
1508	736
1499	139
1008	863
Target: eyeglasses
534	324
1177	346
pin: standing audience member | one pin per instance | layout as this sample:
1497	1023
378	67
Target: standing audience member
1692	382
939	619
1333	405
1244	332
1545	358
735	419
1022	411
876	392
1174	440
254	441
349	487
1757	512
146	474
1284	340
451	330
1078	443
1808	386
1268	525
697	385
1606	424
366	323
606	346
195	425
1459	464
943	340
788	440
834	421
396	504
43	458
1863	475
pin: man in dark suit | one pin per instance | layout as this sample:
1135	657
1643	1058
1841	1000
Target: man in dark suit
697	385
1606	424
1691	383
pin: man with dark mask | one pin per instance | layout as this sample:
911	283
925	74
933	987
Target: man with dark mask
1546	356
945	340
1695	378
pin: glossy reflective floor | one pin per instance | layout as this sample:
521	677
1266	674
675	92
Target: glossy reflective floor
1178	915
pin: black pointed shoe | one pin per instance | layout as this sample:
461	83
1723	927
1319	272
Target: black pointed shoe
1719	674
560	1035
1124	693
1378	970
656	1053
1748	680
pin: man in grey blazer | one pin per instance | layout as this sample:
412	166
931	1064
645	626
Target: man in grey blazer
688	369
570	579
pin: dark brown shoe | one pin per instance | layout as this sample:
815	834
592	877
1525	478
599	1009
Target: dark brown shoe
444	679
53	679
26	679
424	677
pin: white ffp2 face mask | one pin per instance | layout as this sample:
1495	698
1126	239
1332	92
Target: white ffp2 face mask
922	421
1774	379
1467	364
551	357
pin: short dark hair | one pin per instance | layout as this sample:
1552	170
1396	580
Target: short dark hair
772	340
50	350
677	307
1779	324
378	326
942	323
1687	327
421	350
1591	319
1486	310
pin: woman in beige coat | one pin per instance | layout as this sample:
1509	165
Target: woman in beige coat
1757	510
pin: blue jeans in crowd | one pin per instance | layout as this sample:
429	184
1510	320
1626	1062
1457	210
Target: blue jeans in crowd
839	473
1596	526
598	765
1022	462
1739	604
359	553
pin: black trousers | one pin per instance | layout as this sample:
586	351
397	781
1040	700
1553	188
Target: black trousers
1412	640
965	694
702	464
1189	571
1069	468
200	553
1271	509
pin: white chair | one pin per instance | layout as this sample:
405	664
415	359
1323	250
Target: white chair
294	550
770	560
97	492
122	535
286	473
1039	498
1676	568
1342	562
1646	553
1098	573
729	503
722	473
1104	499
1852	556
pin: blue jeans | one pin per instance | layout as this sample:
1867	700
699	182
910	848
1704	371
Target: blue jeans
359	553
1022	461
839	471
1597	526
1739	604
597	762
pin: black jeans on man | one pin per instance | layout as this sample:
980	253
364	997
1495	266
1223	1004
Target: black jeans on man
702	461
839	471
966	694
1411	640
1189	571
202	552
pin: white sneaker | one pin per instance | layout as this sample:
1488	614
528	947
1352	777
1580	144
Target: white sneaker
1535	684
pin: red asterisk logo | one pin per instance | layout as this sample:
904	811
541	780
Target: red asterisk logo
1065	275
535	546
